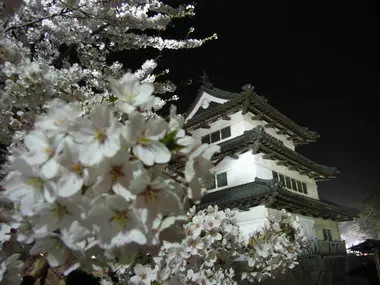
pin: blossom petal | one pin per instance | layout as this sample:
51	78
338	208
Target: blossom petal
125	107
50	168
161	152
101	116
35	140
144	154
69	184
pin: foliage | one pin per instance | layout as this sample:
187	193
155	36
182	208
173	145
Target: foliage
369	219
366	226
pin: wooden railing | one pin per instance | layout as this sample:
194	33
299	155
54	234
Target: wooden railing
326	248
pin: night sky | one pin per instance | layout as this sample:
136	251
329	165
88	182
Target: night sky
318	62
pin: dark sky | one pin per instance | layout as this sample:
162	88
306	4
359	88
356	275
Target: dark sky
315	61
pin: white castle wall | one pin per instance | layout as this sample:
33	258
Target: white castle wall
264	167
248	167
251	220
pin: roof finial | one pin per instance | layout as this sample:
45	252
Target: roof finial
205	80
248	87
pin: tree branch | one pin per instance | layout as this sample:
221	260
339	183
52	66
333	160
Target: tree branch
63	12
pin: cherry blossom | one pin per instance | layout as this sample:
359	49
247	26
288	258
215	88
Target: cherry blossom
144	275
38	39
99	135
10	270
90	182
146	137
131	95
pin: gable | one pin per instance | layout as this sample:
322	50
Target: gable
205	102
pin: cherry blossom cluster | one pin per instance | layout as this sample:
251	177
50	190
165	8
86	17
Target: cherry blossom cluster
61	49
88	189
274	249
214	251
10	270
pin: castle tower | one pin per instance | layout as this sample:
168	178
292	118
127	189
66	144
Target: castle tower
259	171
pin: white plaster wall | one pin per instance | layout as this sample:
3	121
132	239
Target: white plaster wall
252	220
307	223
239	124
237	128
249	166
239	171
264	167
250	124
203	102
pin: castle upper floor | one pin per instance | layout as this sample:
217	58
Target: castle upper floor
215	109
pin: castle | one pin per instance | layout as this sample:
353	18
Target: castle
258	171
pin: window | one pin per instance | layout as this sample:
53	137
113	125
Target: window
282	179
217	136
221	179
327	235
299	186
304	188
275	175
294	184
290	183
206	139
226	132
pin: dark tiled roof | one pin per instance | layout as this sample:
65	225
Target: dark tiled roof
272	195
248	101
219	93
367	246
239	193
260	141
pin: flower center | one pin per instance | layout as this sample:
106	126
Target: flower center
144	140
193	243
143	276
14	77
77	168
130	99
35	182
290	249
49	150
121	219
150	195
60	122
101	136
60	210
116	172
